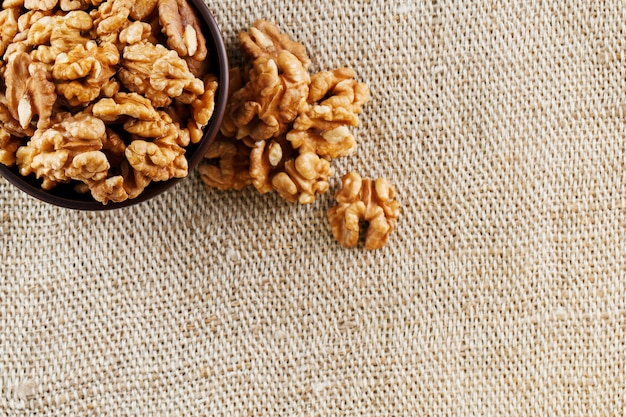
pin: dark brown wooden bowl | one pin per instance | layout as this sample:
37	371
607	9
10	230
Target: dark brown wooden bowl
65	196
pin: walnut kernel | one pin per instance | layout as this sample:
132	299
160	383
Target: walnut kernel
227	165
363	200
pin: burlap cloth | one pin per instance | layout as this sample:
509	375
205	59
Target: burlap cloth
501	293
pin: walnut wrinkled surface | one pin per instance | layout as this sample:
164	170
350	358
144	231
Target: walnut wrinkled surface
128	184
29	91
125	105
274	95
134	33
84	71
182	28
11	125
204	105
334	103
266	98
8	147
103	94
363	200
110	18
67	150
40	4
150	128
156	72
303	178
8	27
159	160
227	166
295	176
265	40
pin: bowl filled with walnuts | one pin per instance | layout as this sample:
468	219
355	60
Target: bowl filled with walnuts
107	103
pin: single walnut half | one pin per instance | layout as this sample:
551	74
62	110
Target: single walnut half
203	106
66	31
45	34
68	149
128	184
108	190
160	159
253	108
27	20
121	22
295	176
135	32
88	165
156	72
91	62
227	165
335	100
363	199
85	71
304	177
110	18
150	128
29	91
271	99
265	40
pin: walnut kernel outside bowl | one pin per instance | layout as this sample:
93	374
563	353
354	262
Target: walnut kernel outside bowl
64	195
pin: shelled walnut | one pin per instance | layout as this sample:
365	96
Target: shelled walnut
68	150
29	91
157	73
334	103
363	200
160	159
295	176
272	98
103	94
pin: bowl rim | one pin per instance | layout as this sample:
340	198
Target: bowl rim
217	52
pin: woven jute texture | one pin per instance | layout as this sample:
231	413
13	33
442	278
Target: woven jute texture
501	293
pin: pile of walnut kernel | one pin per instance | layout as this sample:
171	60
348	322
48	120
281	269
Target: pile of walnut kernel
282	128
105	95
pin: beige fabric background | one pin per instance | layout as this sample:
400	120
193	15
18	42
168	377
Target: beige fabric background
502	292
